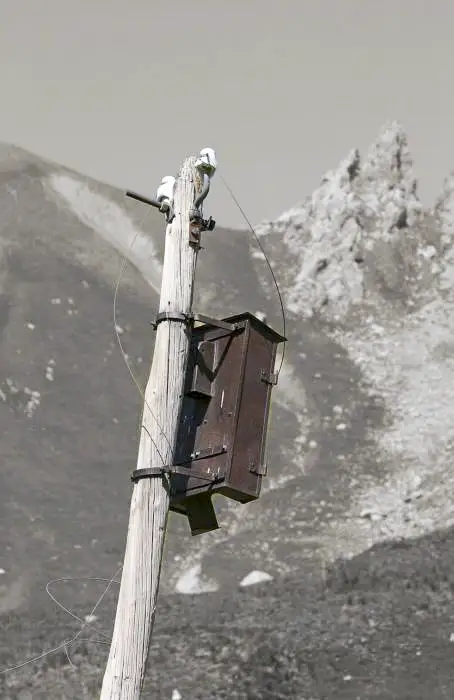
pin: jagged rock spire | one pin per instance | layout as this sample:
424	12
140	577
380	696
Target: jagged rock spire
389	157
359	219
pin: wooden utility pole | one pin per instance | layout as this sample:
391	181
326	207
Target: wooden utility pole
124	675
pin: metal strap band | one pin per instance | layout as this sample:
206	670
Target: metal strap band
147	473
152	472
172	316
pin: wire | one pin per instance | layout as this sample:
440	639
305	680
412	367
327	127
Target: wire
68	642
281	302
79	578
120	345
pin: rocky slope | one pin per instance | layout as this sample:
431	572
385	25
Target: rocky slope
360	446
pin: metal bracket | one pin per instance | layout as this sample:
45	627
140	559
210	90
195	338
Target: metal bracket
207	224
163	207
197	225
269	378
207	320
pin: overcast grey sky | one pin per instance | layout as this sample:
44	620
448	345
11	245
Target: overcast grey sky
123	89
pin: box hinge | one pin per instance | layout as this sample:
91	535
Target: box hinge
268	377
259	469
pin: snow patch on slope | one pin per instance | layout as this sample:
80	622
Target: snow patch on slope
111	222
190	582
255	577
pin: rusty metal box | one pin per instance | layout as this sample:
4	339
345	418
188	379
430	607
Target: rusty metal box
223	424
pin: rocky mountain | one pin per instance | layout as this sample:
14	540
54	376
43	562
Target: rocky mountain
351	536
